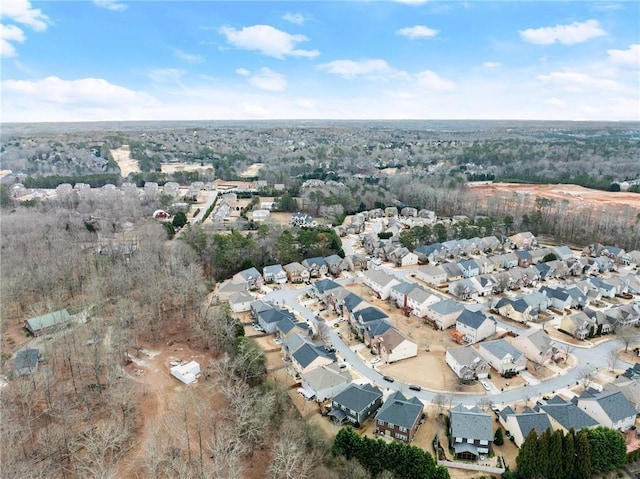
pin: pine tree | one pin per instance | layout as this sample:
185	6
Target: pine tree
555	461
568	454
582	466
526	460
542	455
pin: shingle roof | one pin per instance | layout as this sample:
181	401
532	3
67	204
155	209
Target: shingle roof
471	423
500	349
370	314
400	411
351	301
567	414
357	396
307	353
26	361
272	269
447	306
326	377
473	319
613	403
325	285
530	420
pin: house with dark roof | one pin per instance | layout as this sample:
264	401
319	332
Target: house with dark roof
469	268
466	363
26	361
516	309
320	289
503	357
471	432
630	388
289	326
565	415
432	253
48	323
474	326
310	356
374	329
399	417
356	403
521	424
268	319
336	264
317	266
609	408
453	271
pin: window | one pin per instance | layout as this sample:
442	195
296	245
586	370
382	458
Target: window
402	429
458	439
484	442
469	440
390	425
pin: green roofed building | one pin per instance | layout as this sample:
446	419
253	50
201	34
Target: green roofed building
48	323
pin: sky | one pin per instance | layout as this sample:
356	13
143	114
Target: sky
118	60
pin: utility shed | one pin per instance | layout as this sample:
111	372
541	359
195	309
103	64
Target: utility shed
186	372
48	323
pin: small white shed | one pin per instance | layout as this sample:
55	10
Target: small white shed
186	372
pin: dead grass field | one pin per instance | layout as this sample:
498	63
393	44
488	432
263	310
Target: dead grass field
577	197
127	165
173	167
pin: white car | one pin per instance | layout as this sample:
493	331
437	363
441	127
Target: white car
375	360
485	385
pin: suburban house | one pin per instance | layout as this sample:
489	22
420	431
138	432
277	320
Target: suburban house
356	262
523	240
399	417
579	325
503	357
251	277
562	252
466	363
538	347
609	408
336	264
516	309
524	258
240	302
559	299
380	282
630	388
350	304
308	357
403	257
268	319
372	330
469	268
321	289
296	272
471	432
453	271
289	326
433	253
605	289
48	323
521	424
303	220
444	314
418	301
393	346
356	403
504	261
228	288
325	382
565	415
26	361
274	273
317	266
474	326
433	275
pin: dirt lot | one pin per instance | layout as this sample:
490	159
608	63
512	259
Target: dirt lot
252	171
173	167
577	196
127	165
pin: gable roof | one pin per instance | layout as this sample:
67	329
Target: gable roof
273	269
241	297
465	355
250	274
370	314
326	376
567	414
471	423
351	301
325	285
447	306
358	396
501	349
529	420
613	403
473	319
308	353
56	318
275	315
318	261
379	277
400	411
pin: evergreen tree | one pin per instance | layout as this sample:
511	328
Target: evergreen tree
555	457
542	455
607	449
582	466
498	439
568	454
527	458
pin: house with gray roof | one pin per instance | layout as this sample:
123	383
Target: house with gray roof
269	318
380	282
326	381
26	361
521	424
565	415
538	347
433	275
474	326
609	408
251	277
469	268
503	357
310	356
241	301
516	309
471	432
433	253
453	271
419	299
274	273
320	289
374	329
336	264
296	273
399	417
356	403
630	388
289	326
317	266
466	363
444	314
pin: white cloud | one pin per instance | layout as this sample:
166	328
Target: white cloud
492	64
556	102
21	11
243	71
166	75
418	31
267	40
188	57
432	81
575	82
268	80
8	34
350	69
627	58
112	5
297	18
576	32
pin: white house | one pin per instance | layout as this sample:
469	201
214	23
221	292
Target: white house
240	302
186	372
610	408
466	363
418	300
394	346
380	282
473	326
274	274
503	357
443	314
434	275
325	381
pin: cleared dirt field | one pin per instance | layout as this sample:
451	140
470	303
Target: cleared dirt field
173	167
576	196
252	171
127	165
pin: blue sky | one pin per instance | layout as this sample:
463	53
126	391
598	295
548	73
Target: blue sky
410	59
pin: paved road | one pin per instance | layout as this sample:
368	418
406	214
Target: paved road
587	357
203	209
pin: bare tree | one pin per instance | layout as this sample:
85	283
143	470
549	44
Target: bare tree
627	335
587	374
440	401
294	455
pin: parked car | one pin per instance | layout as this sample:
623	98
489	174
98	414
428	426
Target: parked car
485	385
375	360
258	328
388	378
415	387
